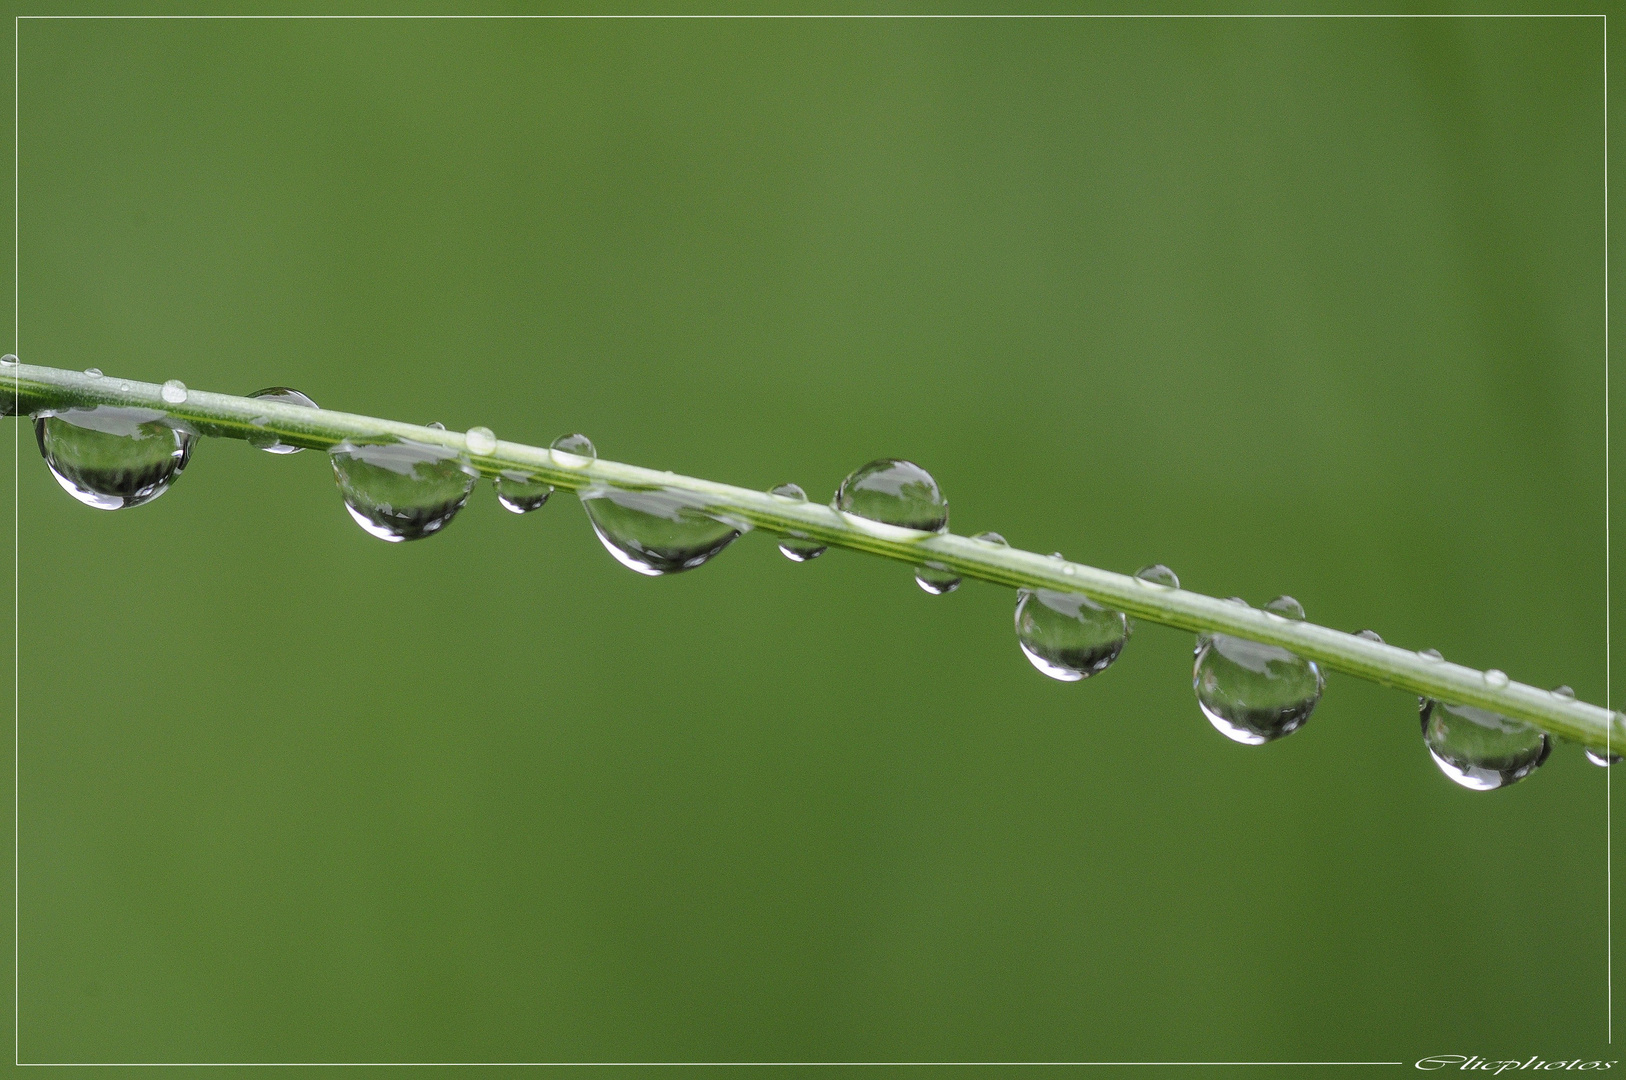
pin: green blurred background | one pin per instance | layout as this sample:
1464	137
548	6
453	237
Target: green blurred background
1294	306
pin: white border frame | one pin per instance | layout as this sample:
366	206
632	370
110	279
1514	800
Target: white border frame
16	563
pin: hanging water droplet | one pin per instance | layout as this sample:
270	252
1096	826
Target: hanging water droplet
401	490
1287	608
174	392
795	546
1430	654
436	424
1479	749
481	441
894	492
992	538
111	457
1068	636
1370	635
574	451
1496	677
285	395
936	579
1252	692
1157	574
94	372
656	532
521	492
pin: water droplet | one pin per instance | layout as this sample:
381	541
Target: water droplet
1157	574
1600	758
401	490
285	395
111	457
1236	600
1287	608
1430	654
436	424
936	579
1564	692
1370	635
480	441
1068	636
894	492
1252	692
1496	677
1479	749
992	538
94	372
1057	555
574	451
795	546
174	392
8	360
521	492
124	387
656	531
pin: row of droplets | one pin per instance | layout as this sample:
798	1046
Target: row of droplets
112	457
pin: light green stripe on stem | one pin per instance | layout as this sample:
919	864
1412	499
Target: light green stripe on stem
34	388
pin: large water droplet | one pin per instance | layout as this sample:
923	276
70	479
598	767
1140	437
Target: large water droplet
1157	574
521	492
656	531
285	395
795	546
936	579
111	457
1068	636
1479	749
174	392
574	451
401	490
480	441
894	492
1252	692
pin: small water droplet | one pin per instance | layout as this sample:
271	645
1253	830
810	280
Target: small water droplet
1057	555
8	360
895	492
124	387
656	532
111	457
436	424
1600	758
936	579
574	451
1564	692
992	538
520	492
1236	600
174	392
1370	635
1252	692
1479	749
1496	677
1287	608
1157	574
1068	636
401	490
285	395
1430	654
795	546
480	441
94	372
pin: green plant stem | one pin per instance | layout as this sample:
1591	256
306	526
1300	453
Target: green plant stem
32	389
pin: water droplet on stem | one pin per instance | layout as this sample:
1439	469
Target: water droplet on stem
1479	749
480	441
285	395
894	492
992	538
795	546
401	490
936	579
1068	636
1157	574
574	451
174	392
1252	692
656	532
520	492
111	457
